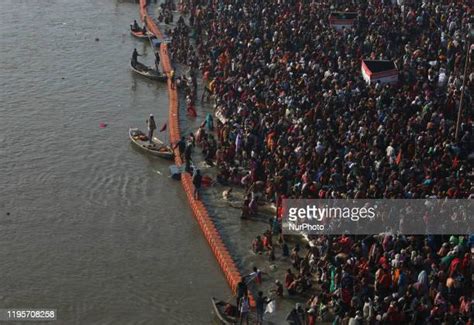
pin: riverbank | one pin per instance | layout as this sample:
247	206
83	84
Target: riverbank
228	236
208	228
237	234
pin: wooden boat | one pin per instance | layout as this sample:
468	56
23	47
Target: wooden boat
148	72
156	147
139	34
219	307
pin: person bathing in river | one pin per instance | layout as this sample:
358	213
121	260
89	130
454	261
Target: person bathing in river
197	182
244	309
192	139
289	278
245	207
188	151
200	135
151	127
157	62
296	316
230	310
241	290
278	289
267	240
257	245
253	205
260	303
256	275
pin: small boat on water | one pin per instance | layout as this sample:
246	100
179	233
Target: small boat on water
219	308
148	72
156	147
139	34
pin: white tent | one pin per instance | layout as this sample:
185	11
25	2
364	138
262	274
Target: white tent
382	71
342	20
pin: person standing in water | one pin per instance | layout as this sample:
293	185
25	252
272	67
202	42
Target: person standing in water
157	62
260	303
197	181
244	309
192	139
151	124
181	145
241	290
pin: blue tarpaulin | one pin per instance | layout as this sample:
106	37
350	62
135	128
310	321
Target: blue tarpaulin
157	42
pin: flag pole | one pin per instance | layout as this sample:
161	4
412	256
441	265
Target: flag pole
466	65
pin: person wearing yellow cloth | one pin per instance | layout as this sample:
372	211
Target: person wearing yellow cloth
172	78
209	87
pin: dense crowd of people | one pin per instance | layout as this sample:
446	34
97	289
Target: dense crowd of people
297	120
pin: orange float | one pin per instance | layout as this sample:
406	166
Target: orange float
207	226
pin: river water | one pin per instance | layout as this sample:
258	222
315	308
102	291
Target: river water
89	225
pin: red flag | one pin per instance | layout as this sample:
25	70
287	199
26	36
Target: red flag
399	158
163	128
